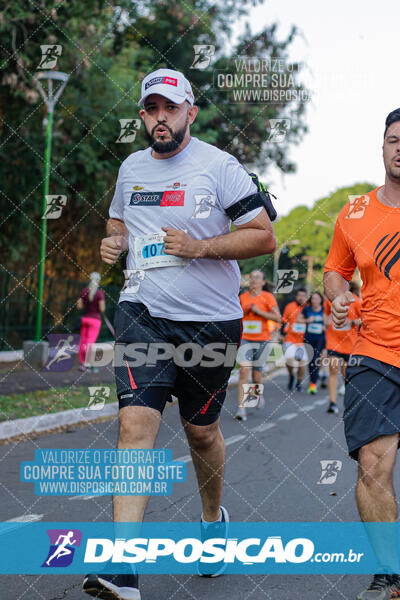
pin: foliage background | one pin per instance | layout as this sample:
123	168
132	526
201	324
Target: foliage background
312	229
107	49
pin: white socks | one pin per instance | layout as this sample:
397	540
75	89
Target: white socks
212	522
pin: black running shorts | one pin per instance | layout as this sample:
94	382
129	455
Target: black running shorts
342	355
157	357
371	401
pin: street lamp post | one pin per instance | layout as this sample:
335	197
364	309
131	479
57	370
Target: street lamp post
50	100
309	277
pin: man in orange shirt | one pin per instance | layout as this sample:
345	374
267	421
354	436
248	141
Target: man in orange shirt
340	343
258	307
293	333
367	236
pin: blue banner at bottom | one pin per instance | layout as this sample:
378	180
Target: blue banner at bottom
247	548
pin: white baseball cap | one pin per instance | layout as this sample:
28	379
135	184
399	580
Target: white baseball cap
168	83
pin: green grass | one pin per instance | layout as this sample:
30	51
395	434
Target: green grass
39	402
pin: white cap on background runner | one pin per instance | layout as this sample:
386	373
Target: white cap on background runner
168	83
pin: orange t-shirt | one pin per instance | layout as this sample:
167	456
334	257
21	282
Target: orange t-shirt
367	236
343	340
255	327
294	331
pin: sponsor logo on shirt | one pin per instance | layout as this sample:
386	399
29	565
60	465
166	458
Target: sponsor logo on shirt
137	187
387	253
165	198
177	185
157	80
204	205
173	198
146	198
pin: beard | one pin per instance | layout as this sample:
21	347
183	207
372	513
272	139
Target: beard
169	146
394	173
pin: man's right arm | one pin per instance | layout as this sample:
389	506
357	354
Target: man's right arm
115	242
337	290
335	284
339	269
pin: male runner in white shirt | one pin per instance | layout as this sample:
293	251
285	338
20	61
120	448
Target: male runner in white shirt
172	210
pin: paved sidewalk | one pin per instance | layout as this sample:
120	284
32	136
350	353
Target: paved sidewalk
18	377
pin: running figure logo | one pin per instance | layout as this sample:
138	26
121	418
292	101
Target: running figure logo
54	206
61	351
279	130
204	204
286	280
357	206
330	471
133	279
252	393
50	56
129	127
62	547
98	397
202	56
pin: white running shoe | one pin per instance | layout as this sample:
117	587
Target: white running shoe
112	587
241	414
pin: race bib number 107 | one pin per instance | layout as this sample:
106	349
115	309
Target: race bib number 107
149	253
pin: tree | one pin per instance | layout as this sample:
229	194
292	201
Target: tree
313	227
107	49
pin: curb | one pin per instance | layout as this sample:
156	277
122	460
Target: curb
76	416
42	423
7	356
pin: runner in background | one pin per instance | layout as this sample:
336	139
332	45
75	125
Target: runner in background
91	301
340	343
292	332
273	326
259	307
313	316
323	373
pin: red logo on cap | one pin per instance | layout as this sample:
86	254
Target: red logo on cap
170	81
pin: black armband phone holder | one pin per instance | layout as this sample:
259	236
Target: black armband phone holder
261	199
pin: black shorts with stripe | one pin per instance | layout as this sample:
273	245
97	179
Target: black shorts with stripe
156	358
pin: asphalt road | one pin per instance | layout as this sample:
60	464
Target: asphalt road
272	470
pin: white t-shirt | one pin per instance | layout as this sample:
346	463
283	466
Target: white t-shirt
188	191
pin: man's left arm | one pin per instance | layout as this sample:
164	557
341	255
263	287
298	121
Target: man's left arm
254	238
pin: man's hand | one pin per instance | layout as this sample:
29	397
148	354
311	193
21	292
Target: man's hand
111	248
340	308
179	243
